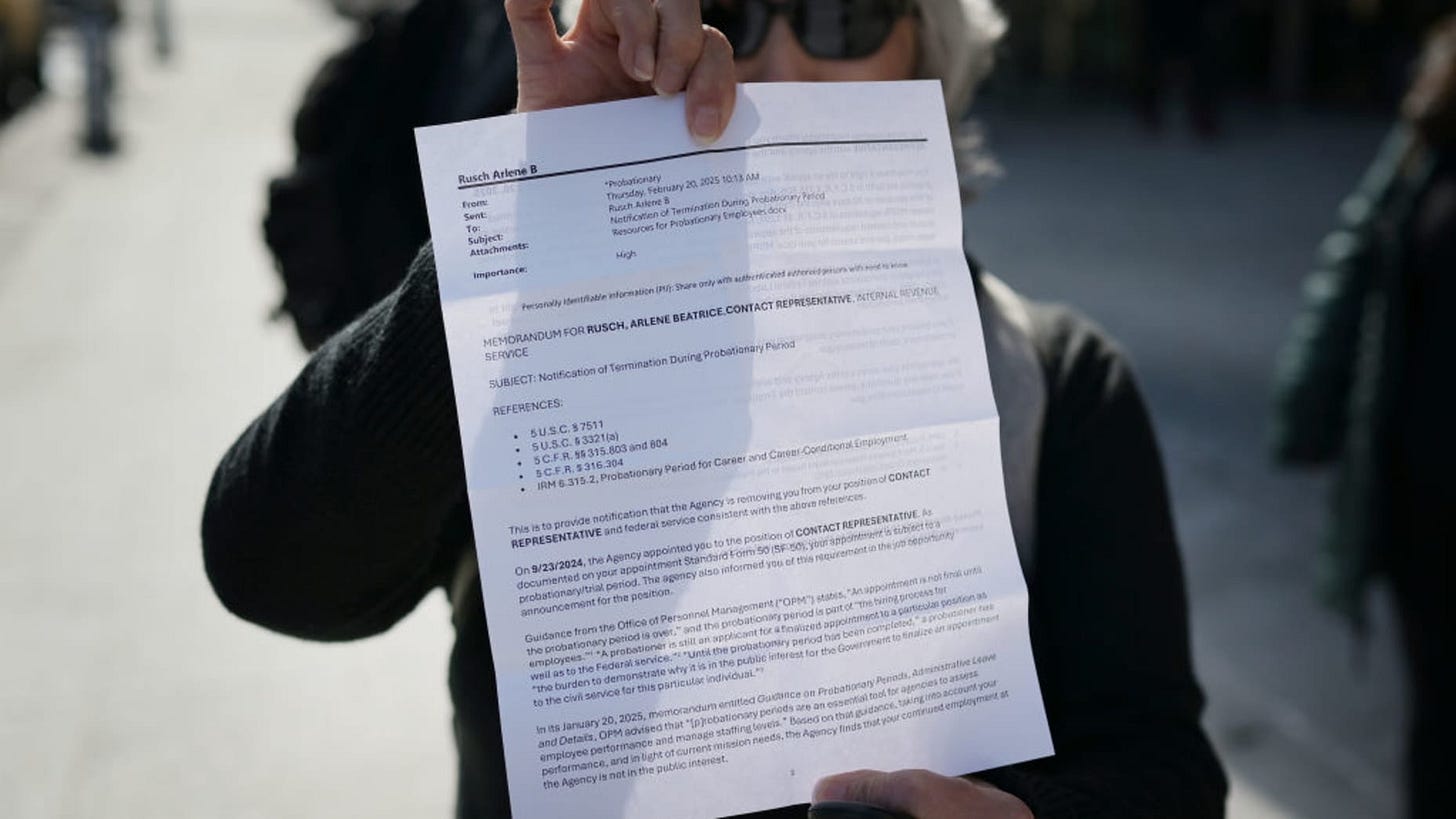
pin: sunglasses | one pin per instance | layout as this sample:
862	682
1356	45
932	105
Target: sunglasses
827	29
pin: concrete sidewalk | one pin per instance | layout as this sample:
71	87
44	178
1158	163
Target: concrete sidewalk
135	346
133	300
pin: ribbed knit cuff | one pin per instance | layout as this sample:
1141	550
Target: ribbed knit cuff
412	416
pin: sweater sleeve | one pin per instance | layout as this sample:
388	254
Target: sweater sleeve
1317	365
1109	616
325	519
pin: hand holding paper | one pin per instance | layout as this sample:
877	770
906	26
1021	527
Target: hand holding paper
922	794
620	49
731	450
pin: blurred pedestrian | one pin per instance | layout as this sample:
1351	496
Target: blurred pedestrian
1177	44
1365	381
95	21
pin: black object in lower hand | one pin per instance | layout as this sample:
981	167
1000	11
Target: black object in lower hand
851	810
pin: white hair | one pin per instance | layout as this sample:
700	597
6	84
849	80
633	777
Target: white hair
958	47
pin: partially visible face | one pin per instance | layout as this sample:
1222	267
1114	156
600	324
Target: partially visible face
782	59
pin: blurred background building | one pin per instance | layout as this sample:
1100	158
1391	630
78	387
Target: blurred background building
21	31
1345	52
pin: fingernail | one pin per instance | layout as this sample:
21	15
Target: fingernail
644	63
705	124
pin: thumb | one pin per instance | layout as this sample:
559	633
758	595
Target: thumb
533	28
869	787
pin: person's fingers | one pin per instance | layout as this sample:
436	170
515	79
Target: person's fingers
634	22
679	43
885	790
922	794
711	92
534	30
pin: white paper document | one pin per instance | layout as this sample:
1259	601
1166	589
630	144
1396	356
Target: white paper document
731	450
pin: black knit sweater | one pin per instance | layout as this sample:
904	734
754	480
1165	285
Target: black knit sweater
343	505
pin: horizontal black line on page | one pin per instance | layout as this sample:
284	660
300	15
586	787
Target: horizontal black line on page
651	160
